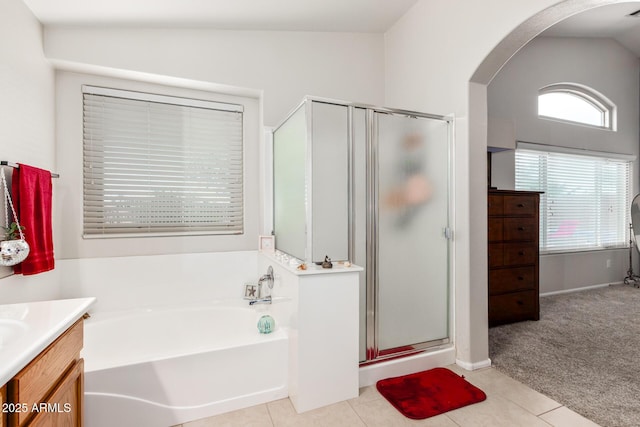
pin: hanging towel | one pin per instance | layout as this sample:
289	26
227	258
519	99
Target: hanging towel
32	191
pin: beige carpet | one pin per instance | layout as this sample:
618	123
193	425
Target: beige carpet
584	352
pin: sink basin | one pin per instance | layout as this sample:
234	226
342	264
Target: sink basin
10	330
28	328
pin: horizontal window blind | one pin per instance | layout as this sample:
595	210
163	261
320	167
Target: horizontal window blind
158	165
585	202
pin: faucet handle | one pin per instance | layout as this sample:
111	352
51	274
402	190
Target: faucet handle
268	278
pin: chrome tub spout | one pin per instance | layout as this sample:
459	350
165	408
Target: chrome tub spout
265	300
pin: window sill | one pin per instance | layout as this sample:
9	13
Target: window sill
580	251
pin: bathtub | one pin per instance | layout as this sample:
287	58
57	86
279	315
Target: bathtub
165	366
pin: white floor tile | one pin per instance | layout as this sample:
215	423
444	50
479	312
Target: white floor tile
496	411
339	414
256	416
380	413
565	417
493	382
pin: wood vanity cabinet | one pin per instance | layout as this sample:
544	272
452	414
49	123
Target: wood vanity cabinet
3	399
50	388
513	256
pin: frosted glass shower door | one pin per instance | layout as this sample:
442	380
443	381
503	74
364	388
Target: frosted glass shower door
412	268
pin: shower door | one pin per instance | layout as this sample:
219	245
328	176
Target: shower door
407	272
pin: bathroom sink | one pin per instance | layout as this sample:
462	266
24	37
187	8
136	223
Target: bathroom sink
28	328
10	329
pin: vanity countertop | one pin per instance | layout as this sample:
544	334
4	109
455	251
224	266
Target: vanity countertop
28	328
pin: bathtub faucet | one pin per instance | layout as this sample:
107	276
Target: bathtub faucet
261	298
265	278
265	300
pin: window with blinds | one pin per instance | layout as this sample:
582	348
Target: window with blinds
157	165
585	205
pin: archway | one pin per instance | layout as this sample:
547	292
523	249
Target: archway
478	83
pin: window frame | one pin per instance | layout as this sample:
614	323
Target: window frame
544	185
179	101
594	98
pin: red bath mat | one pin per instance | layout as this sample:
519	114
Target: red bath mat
428	393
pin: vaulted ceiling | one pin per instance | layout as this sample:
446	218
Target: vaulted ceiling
296	15
614	21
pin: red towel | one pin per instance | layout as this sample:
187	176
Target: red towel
32	190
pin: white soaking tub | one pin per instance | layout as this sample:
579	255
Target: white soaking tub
165	366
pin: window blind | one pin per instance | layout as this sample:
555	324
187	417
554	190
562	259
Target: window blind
586	197
159	165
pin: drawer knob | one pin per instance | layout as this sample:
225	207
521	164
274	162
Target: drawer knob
520	302
522	228
520	278
521	253
521	205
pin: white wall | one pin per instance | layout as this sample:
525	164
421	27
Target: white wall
602	64
26	116
431	56
285	65
26	85
125	283
282	67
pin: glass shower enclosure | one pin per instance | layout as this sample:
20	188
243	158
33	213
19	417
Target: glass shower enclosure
371	185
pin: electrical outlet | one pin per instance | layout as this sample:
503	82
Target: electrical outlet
608	263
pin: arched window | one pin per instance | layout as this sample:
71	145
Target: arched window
573	103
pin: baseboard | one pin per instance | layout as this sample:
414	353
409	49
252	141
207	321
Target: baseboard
584	288
472	366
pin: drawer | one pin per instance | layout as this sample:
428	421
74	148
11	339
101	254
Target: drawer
505	280
35	382
496	233
519	253
513	307
520	229
495	204
496	254
512	254
520	204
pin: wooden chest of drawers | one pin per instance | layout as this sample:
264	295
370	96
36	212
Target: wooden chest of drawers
513	256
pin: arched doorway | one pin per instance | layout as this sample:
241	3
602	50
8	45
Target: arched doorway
477	108
501	54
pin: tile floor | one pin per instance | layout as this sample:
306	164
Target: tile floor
509	404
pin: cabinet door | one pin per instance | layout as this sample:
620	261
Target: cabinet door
3	399
64	406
